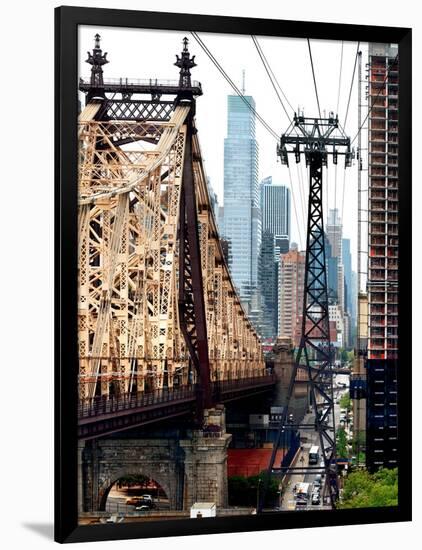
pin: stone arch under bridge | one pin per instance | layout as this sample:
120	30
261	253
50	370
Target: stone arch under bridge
103	462
189	470
104	490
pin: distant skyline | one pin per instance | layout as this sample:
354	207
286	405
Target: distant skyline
140	53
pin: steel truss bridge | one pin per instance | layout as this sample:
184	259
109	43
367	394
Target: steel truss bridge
161	327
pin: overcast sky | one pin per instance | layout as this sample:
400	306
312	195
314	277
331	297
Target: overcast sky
136	53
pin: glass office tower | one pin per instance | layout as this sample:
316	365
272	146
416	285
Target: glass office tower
242	224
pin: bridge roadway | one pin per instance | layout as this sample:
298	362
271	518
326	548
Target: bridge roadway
106	415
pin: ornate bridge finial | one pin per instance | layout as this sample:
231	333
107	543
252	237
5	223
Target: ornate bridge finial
97	59
185	63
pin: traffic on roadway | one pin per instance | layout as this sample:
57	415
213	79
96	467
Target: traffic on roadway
305	491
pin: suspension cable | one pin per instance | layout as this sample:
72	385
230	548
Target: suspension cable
313	74
339	78
233	85
351	84
343	193
295	209
345	121
238	92
338	104
271	76
302	194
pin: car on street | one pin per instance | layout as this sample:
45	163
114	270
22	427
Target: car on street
318	480
143	500
142	508
316	499
134	501
302	494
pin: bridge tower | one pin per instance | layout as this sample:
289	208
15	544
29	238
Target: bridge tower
158	310
191	292
97	59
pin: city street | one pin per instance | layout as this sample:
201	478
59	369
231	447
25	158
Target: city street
288	499
116	501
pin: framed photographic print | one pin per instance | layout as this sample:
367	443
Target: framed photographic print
233	288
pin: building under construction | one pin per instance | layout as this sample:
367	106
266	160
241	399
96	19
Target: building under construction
382	282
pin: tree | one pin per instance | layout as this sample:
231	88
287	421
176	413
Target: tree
345	401
344	356
243	491
358	441
239	490
359	446
342	443
363	490
131	480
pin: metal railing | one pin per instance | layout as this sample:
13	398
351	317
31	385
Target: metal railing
109	404
105	404
153	82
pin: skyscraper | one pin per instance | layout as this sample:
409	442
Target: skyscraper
242	224
275	208
349	291
347	263
213	199
382	284
290	292
334	233
267	283
334	229
275	218
353	311
332	273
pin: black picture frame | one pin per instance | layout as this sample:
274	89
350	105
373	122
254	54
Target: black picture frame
67	20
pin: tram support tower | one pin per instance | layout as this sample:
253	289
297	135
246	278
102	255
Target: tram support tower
316	139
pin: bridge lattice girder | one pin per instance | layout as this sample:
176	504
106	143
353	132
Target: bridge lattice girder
130	182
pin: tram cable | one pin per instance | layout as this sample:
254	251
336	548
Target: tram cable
313	75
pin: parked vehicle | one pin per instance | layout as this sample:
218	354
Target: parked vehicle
142	508
134	501
316	499
314	454
316	489
303	491
144	500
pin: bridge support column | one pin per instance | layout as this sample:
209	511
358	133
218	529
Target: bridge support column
206	461
81	445
88	496
283	364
